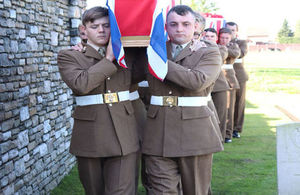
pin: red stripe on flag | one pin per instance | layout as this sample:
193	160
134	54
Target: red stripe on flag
134	17
120	62
218	25
153	73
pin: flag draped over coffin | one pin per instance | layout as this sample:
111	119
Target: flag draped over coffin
214	21
116	35
141	18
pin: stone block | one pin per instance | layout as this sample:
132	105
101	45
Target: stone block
9	190
12	13
24	91
22	34
5	136
31	44
14	47
34	29
75	23
43	149
6	146
8	124
24	113
19	167
23	139
288	158
54	38
13	153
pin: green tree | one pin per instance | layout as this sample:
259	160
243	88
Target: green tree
285	34
205	6
297	32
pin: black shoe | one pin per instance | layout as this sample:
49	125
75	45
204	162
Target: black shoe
227	140
236	134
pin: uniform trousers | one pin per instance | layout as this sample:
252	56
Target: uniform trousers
230	117
240	104
220	101
140	114
108	175
165	173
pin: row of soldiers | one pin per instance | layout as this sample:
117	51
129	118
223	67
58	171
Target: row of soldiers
174	138
229	91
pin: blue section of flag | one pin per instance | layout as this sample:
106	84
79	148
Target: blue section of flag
115	34
159	37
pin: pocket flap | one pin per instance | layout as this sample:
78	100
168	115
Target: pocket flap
87	113
152	111
129	108
195	112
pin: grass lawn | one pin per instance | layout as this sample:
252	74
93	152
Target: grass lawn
247	165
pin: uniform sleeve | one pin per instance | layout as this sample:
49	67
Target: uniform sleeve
243	47
233	50
82	80
202	75
223	52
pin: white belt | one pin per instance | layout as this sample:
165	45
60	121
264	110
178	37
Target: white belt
239	60
227	66
179	101
143	84
106	98
134	95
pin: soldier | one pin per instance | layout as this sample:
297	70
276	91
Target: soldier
233	53
200	25
181	132
219	93
82	33
242	77
104	138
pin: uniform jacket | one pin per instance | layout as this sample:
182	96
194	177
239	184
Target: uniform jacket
100	130
233	53
221	83
184	131
239	68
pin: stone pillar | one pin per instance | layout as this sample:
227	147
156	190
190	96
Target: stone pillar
35	104
288	159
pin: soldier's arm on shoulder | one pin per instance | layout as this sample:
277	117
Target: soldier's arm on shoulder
233	50
203	73
243	47
83	80
223	52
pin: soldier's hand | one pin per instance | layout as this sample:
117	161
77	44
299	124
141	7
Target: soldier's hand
197	44
77	47
109	52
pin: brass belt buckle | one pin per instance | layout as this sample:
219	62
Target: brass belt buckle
170	101
111	98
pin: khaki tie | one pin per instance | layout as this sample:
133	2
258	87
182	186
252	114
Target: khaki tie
178	49
102	51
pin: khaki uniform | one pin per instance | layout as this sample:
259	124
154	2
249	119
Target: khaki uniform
105	136
219	94
233	53
242	77
179	141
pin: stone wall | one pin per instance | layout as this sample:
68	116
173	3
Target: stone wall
35	105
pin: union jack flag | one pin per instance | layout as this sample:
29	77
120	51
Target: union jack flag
141	18
115	35
214	21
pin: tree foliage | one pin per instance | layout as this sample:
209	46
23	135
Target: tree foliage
286	35
297	29
205	6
